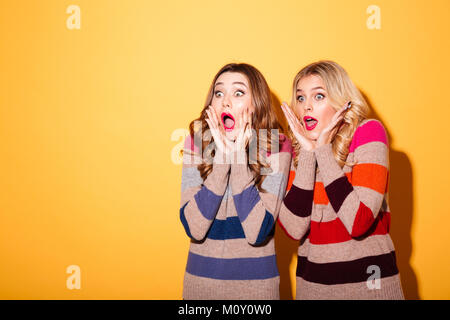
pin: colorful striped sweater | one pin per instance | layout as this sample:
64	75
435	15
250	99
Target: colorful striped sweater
231	226
342	217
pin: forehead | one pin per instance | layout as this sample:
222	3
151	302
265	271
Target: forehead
309	82
227	78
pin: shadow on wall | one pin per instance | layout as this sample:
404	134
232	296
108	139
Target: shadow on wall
401	206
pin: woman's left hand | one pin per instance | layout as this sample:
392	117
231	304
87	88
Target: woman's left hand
327	135
244	130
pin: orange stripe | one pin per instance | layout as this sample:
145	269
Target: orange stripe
370	175
349	176
387	183
320	196
290	180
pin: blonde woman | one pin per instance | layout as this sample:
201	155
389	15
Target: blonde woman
337	203
229	201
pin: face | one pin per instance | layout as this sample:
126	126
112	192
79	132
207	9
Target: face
230	98
312	106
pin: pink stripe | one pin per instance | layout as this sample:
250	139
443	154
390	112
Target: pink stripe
189	144
285	145
371	131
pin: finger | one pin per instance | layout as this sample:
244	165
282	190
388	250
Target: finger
340	112
213	115
218	123
293	118
209	113
208	118
338	120
212	123
290	122
285	109
211	129
245	120
335	123
248	116
241	121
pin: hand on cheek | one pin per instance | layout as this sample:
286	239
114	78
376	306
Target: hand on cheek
328	133
217	131
297	128
244	131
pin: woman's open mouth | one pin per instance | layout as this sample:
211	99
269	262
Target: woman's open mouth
228	121
310	122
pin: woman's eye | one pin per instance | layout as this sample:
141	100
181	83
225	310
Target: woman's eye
301	98
319	96
239	93
218	94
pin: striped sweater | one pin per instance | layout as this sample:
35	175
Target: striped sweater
342	217
231	226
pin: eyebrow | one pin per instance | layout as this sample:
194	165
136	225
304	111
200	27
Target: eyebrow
311	89
236	82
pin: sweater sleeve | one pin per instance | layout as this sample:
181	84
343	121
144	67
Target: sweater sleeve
200	200
295	214
258	210
357	203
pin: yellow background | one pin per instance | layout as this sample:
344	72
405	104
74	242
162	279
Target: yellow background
86	174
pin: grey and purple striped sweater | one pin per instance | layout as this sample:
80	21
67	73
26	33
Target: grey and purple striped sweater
231	226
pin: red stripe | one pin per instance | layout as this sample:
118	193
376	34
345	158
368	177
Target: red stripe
363	220
334	231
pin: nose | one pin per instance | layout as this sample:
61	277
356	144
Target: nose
308	106
226	103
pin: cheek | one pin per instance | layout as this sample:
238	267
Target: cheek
215	103
327	115
298	110
216	107
239	105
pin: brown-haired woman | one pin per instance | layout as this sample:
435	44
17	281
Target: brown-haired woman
231	193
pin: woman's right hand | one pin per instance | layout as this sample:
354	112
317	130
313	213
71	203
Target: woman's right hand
222	143
297	128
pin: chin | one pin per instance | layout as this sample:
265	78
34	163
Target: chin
312	135
230	136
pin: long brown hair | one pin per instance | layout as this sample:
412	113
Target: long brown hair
263	117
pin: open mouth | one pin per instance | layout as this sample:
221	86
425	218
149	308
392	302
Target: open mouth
310	122
228	121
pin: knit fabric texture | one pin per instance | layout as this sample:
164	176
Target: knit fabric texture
342	219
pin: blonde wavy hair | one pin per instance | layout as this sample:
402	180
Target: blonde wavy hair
340	89
263	118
